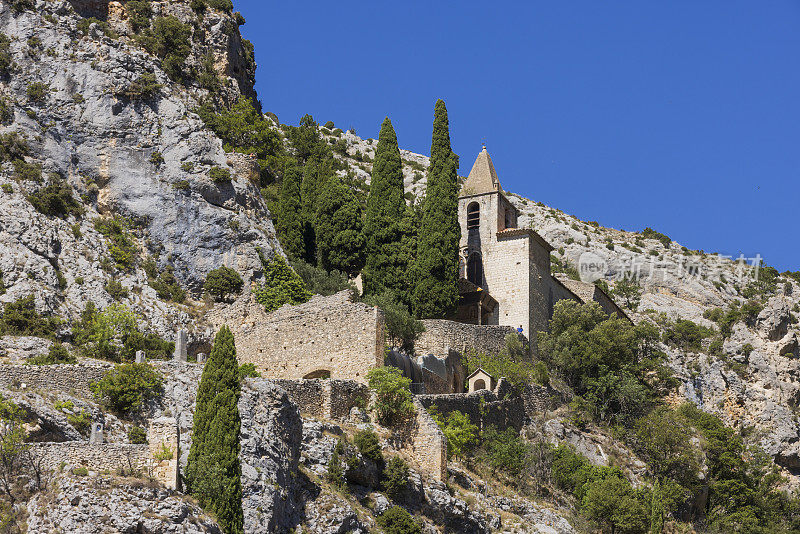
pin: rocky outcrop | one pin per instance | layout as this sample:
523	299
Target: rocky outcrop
109	148
271	434
87	505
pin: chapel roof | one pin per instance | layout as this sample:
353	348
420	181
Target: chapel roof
482	178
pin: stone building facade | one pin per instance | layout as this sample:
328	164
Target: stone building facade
505	270
326	337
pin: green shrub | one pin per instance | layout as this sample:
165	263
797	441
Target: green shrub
649	233
513	362
393	404
687	335
540	374
81	421
395	477
116	289
329	125
157	159
369	445
108	31
137	435
145	87
220	175
80	471
504	451
25	171
8	188
248	370
402	328
612	501
120	243
125	388
167	286
37	92
13	147
221	5
187	166
113	335
57	354
282	285
318	281
55	199
139	14
22	5
2	287
181	185
397	520
222	282
170	40
461	434
335	472
20	318
6	59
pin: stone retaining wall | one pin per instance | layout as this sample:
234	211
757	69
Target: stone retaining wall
441	334
74	378
500	408
329	399
113	457
428	444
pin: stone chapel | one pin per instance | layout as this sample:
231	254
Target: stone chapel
505	269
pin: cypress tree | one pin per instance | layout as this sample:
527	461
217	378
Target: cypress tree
385	270
340	242
213	471
289	222
436	265
440	141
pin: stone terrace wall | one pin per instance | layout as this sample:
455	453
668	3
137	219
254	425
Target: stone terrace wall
74	378
330	399
501	408
324	334
428	444
440	334
98	457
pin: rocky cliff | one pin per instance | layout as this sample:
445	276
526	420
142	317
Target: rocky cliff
73	92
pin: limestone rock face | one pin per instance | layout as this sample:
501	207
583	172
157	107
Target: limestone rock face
107	147
87	505
271	434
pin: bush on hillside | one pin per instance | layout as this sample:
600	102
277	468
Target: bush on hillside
393	404
127	387
170	40
223	282
6	59
20	318
397	520
369	445
220	175
686	335
281	285
55	199
320	282
57	354
137	435
37	92
402	328
120	243
461	434
395	477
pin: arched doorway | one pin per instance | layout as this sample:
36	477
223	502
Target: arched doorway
475	269
480	384
319	373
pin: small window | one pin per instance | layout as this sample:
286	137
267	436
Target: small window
473	216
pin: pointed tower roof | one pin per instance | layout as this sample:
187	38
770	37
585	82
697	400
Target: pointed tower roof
482	178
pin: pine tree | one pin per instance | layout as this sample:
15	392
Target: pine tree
289	222
340	242
213	471
385	270
436	266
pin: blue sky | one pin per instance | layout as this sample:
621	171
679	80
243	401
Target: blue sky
683	115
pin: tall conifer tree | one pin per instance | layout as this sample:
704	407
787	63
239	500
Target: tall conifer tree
436	267
213	471
385	270
289	221
340	241
436	264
